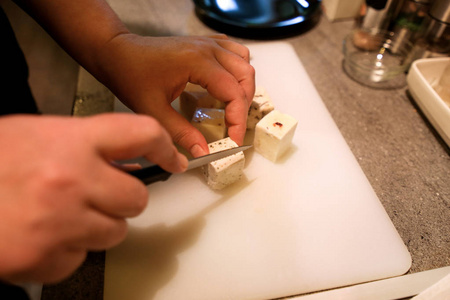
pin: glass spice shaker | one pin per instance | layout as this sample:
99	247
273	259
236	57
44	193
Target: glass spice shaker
409	20
434	37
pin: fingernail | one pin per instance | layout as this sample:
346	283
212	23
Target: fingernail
197	151
183	161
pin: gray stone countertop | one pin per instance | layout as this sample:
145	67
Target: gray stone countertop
404	159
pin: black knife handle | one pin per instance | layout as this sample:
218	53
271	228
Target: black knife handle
151	174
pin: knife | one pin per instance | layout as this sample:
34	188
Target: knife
155	173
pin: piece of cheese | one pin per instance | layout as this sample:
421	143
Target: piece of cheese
193	97
210	122
227	170
261	106
273	135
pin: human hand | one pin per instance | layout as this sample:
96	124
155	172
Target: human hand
148	73
60	196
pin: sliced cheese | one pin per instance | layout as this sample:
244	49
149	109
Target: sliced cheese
210	122
227	170
273	135
261	106
193	97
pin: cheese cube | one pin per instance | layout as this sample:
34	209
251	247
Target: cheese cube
227	170
193	97
273	135
210	122
261	106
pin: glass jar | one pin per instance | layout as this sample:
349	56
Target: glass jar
434	38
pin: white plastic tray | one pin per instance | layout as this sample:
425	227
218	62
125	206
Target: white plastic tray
422	74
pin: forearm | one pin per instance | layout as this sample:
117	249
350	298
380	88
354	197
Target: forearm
81	27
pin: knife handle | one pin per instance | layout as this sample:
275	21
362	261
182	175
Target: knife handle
151	174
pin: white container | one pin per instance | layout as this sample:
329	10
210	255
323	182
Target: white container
424	75
341	9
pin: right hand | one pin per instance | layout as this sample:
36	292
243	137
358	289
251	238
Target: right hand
158	69
61	197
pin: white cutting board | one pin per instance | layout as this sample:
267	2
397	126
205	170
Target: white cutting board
309	222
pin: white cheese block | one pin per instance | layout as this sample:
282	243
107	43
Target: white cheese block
273	135
210	122
193	97
227	170
261	106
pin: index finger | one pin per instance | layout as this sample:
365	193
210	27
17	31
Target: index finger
235	58
237	48
125	136
236	90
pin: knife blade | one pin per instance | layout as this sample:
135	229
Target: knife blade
155	173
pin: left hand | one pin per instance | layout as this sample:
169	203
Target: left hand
148	73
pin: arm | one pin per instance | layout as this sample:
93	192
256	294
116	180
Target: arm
148	73
81	27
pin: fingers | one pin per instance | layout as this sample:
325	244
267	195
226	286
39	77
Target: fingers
71	199
243	72
236	109
123	136
230	55
236	117
181	130
234	84
100	232
94	232
127	167
116	193
228	89
237	48
219	36
58	265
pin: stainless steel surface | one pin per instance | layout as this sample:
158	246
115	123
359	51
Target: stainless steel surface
203	160
378	17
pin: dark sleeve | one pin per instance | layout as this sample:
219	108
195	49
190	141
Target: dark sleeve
15	93
12	292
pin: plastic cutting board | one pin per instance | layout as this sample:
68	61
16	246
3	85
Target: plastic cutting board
307	223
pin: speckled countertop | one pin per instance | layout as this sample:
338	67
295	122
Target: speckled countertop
404	159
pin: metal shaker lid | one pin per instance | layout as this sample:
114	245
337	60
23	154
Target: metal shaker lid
440	10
